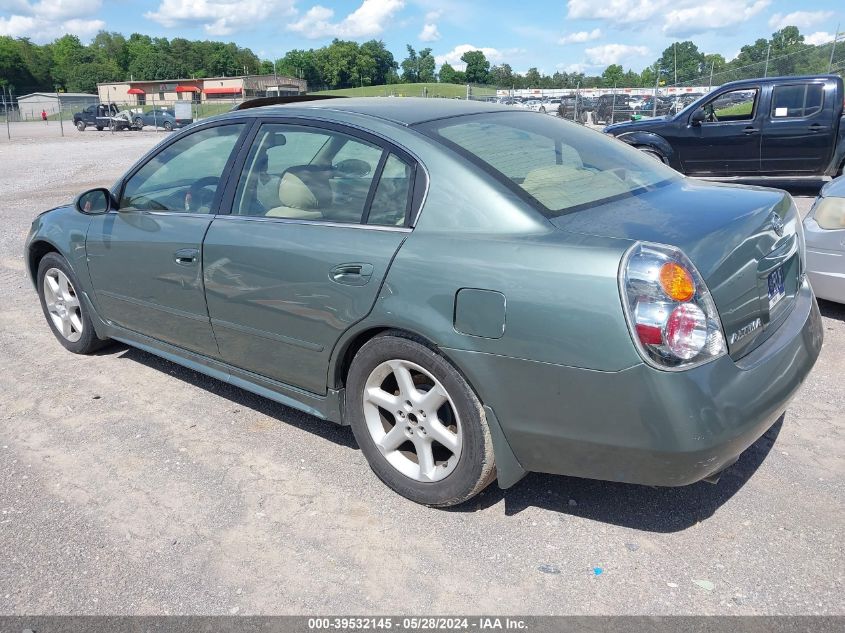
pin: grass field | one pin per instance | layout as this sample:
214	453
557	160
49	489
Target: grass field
412	90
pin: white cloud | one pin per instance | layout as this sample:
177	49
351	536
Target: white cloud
453	57
370	19
675	17
818	38
801	19
46	20
429	33
714	15
614	54
218	17
580	37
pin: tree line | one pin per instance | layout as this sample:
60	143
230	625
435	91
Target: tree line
68	65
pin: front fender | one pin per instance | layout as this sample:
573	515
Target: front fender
641	138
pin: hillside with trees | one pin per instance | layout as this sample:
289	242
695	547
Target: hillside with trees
69	65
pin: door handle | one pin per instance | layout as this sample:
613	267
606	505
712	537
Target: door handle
351	274
815	127
187	256
750	130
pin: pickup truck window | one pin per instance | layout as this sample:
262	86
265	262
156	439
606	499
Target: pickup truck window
797	101
736	105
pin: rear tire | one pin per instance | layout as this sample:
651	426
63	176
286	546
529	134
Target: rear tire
63	307
168	126
418	422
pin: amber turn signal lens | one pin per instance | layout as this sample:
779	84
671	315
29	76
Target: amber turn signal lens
676	282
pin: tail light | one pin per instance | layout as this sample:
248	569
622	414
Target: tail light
671	315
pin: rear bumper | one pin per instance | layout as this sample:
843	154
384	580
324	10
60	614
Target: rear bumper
643	425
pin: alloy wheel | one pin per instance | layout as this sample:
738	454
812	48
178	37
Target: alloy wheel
412	420
63	304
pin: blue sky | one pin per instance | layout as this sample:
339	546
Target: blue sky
567	35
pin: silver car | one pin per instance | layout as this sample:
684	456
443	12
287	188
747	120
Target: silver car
824	229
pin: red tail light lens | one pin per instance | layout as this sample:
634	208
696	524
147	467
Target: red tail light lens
672	317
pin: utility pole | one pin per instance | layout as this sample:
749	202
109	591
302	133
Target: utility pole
768	51
675	52
6	110
656	84
710	85
61	124
833	49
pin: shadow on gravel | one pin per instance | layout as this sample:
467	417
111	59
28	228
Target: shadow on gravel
832	310
341	435
627	505
638	507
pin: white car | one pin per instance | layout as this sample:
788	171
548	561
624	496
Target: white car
824	231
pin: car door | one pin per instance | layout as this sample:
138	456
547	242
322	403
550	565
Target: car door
799	132
317	214
727	142
145	258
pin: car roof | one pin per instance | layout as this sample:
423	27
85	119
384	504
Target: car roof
758	80
402	110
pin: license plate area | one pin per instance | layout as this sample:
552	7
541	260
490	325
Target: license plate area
777	290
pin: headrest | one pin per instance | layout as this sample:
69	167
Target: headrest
293	192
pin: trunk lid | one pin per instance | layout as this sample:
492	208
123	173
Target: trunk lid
741	239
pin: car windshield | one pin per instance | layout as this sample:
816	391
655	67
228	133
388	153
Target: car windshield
560	165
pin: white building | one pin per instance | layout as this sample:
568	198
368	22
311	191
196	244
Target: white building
31	105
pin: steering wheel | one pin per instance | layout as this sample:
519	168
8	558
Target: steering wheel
198	198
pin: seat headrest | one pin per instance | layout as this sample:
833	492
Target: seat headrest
293	192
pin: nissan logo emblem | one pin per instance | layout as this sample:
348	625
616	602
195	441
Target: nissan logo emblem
777	224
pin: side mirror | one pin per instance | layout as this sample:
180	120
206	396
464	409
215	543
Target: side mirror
95	202
698	117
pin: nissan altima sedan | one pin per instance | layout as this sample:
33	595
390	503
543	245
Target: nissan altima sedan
825	230
478	291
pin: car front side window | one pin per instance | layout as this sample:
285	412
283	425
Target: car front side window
184	176
736	105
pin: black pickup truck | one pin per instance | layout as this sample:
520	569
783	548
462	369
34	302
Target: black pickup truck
778	126
100	116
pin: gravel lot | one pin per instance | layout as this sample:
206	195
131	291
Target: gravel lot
129	485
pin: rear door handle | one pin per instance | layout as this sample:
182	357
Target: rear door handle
187	256
351	274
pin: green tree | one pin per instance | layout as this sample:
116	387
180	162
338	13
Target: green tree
683	58
613	75
477	67
532	78
501	75
426	65
411	66
448	75
384	63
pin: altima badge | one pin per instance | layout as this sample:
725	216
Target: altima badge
745	330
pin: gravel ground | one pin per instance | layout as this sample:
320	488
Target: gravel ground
129	485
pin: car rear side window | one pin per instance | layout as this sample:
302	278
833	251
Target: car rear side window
184	175
797	101
560	165
306	173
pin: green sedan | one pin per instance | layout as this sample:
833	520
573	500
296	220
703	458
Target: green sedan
479	292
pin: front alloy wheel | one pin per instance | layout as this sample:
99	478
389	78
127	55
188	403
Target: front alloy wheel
63	304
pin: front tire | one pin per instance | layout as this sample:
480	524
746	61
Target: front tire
139	123
63	307
80	125
418	422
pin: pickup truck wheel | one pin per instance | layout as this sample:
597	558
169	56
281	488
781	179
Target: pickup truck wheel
99	128
80	125
654	154
418	422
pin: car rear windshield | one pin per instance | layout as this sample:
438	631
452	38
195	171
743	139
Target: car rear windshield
561	166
